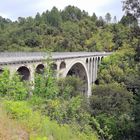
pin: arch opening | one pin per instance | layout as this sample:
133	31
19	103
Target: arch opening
86	60
102	58
40	69
87	63
78	70
62	65
1	70
54	66
24	73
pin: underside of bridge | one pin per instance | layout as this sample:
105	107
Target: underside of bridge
24	73
79	71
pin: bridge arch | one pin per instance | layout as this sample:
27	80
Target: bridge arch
54	66
24	72
78	68
1	70
101	58
40	69
62	65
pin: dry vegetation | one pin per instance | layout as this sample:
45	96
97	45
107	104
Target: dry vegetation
11	130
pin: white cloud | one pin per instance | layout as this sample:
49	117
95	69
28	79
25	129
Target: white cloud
4	15
88	5
15	8
100	7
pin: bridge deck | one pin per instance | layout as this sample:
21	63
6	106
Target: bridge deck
17	57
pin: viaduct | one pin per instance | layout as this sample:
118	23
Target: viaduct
81	64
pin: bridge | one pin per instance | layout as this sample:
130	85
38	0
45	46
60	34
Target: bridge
81	64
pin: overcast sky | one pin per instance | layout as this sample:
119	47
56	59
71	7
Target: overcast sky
23	8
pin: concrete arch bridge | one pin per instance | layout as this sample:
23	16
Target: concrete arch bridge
81	64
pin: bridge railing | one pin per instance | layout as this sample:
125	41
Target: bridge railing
21	54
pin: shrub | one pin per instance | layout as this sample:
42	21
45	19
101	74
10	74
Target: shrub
69	87
45	84
40	127
12	87
112	99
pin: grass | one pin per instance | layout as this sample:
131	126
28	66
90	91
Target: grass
11	129
19	122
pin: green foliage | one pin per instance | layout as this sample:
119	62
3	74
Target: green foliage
137	110
54	17
71	13
69	87
119	67
129	20
12	87
115	128
108	17
40	127
18	110
101	41
74	110
111	99
45	85
111	104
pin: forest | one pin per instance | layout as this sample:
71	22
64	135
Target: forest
55	109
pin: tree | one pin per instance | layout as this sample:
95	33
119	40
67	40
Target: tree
54	17
71	13
128	20
111	99
115	19
70	87
108	18
111	104
100	22
94	17
132	6
21	20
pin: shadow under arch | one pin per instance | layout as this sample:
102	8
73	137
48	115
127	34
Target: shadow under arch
62	65
54	66
1	70
40	69
79	70
24	72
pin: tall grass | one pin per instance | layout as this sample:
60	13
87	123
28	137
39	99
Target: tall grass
39	127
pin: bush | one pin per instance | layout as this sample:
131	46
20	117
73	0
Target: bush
45	84
40	127
69	87
111	99
111	104
12	87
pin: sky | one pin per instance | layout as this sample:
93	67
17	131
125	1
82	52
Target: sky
23	8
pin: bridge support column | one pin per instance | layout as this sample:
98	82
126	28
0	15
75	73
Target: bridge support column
93	65
89	89
32	75
58	70
88	65
91	68
94	70
96	67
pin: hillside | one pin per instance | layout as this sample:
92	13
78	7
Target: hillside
67	30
